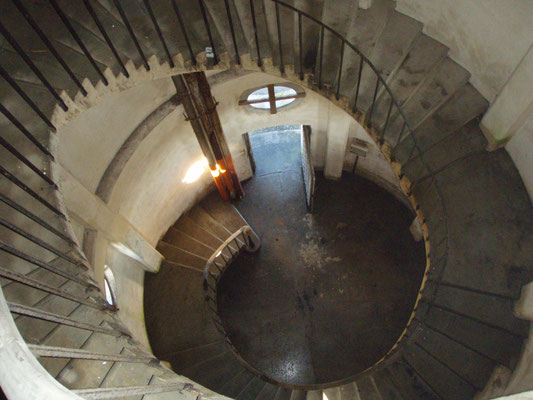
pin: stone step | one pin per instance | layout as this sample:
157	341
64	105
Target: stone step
191	228
315	395
443	82
214	372
251	390
367	389
268	392
459	144
390	51
489	342
141	24
185	321
288	28
111	21
444	382
364	32
187	358
207	222
218	13
349	392
244	11
225	213
462	107
386	386
409	383
298	395
184	241
425	54
466	363
310	35
234	385
339	16
53	28
332	393
283	394
180	256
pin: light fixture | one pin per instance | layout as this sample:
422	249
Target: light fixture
195	171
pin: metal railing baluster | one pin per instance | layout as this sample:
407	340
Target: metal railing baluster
359	75
256	34
369	120
49	45
184	31
32	312
26	162
32	260
77	39
339	74
232	30
100	27
32	193
300	46
42	243
159	33
278	24
24	131
26	98
24	280
81	354
35	218
5	33
208	29
130	31
321	60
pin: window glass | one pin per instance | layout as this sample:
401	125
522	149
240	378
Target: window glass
279	91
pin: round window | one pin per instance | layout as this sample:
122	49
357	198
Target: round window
272	97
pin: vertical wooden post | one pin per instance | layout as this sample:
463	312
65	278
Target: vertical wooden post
200	107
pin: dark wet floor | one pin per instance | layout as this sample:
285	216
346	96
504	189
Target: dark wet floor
328	294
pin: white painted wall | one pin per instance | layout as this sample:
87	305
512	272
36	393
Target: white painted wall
150	194
487	37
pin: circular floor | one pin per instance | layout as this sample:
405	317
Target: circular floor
328	293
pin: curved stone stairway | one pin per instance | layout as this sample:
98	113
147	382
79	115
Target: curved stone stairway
464	326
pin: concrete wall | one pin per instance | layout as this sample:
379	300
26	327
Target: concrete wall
149	194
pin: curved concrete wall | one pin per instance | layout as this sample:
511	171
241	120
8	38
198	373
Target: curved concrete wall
149	194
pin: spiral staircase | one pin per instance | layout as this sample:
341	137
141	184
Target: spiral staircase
59	336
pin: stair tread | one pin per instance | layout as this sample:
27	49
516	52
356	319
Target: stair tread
180	256
225	213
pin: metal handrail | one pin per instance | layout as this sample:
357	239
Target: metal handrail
225	254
